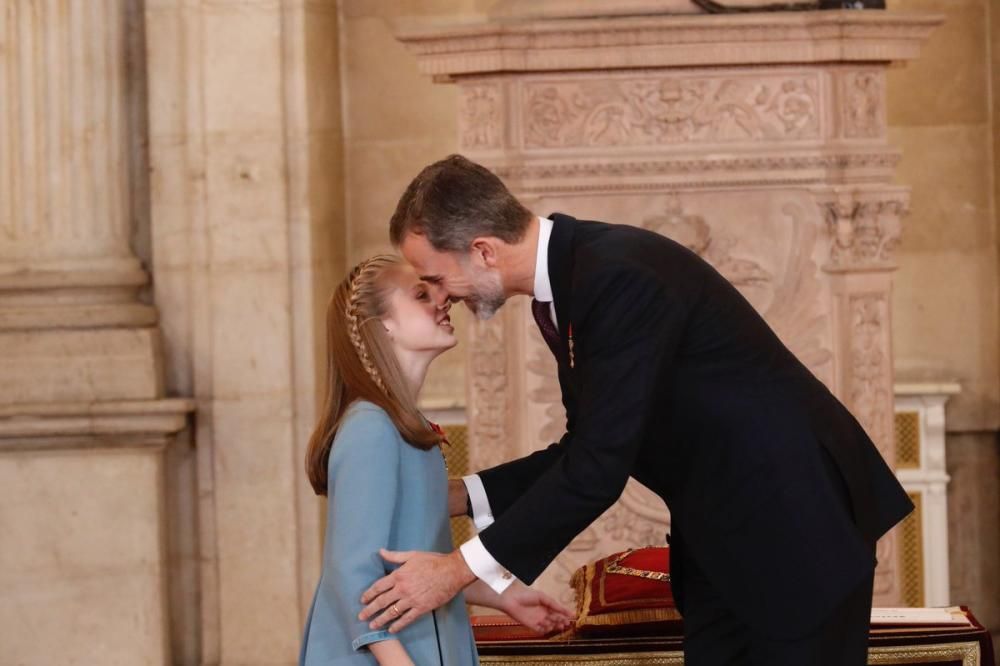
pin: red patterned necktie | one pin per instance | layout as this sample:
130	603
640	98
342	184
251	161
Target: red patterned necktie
543	318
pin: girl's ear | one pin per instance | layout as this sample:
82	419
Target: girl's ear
389	325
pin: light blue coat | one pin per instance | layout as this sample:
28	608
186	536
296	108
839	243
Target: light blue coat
382	493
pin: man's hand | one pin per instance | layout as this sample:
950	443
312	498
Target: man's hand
535	610
458	497
425	581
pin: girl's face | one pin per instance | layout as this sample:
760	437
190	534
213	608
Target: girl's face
414	322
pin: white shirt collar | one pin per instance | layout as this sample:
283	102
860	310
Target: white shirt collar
543	286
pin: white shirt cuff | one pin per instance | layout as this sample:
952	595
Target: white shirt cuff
484	566
482	514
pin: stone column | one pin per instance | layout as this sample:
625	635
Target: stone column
245	146
83	418
757	140
65	260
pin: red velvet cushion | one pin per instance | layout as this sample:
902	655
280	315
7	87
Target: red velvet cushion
627	593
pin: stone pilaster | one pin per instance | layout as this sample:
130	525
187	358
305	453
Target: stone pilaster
83	418
65	260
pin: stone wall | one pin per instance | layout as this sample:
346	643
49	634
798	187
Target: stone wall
946	122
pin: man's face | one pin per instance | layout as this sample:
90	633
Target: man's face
451	276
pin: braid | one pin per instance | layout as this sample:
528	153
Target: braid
354	325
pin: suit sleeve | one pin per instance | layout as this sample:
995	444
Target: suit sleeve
364	474
508	481
626	332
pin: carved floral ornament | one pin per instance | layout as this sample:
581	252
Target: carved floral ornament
490	444
657	110
863	104
870	384
864	229
479	117
575	175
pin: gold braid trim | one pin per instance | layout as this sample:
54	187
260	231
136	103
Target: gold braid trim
354	326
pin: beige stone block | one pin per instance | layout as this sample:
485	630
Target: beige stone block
171	247
79	365
994	86
973	515
183	561
256	523
948	84
949	171
323	89
164	56
945	326
242	59
170	178
246	177
327	215
378	174
250	334
241	244
387	98
390	8
173	296
81	560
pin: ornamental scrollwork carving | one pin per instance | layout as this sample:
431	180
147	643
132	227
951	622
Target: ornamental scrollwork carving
864	232
863	105
489	445
479	117
754	168
870	386
627	112
788	310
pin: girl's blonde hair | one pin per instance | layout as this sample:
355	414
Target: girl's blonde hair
361	364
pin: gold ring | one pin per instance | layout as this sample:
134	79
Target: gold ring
395	610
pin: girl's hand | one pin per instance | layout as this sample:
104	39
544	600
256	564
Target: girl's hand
535	610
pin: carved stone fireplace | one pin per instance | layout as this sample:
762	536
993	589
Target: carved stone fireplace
757	140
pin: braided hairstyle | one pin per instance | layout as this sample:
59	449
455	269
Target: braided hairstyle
362	364
361	292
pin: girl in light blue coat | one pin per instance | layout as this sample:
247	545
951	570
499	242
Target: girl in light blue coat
380	464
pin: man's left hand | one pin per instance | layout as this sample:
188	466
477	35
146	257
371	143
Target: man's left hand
425	581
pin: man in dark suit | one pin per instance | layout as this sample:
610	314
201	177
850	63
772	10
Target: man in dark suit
668	375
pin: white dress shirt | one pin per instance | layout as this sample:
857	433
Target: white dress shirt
479	560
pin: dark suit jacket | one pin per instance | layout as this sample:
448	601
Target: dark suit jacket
680	384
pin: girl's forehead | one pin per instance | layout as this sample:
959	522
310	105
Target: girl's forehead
406	279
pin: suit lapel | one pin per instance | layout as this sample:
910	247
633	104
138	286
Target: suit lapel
561	274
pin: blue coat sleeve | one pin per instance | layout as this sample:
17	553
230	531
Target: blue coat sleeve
364	484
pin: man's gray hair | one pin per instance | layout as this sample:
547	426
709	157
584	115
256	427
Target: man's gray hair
454	201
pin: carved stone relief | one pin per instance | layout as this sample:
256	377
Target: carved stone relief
870	391
864	229
479	117
774	261
488	399
863	111
670	110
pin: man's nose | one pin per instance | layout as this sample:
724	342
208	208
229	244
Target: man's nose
440	295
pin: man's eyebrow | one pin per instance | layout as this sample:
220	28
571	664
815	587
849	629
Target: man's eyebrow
434	279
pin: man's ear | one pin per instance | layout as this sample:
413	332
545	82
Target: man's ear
484	251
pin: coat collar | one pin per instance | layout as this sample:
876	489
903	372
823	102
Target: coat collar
561	268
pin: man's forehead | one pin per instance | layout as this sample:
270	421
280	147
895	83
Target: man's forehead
427	261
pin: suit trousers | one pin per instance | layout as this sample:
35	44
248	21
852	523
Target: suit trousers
715	636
